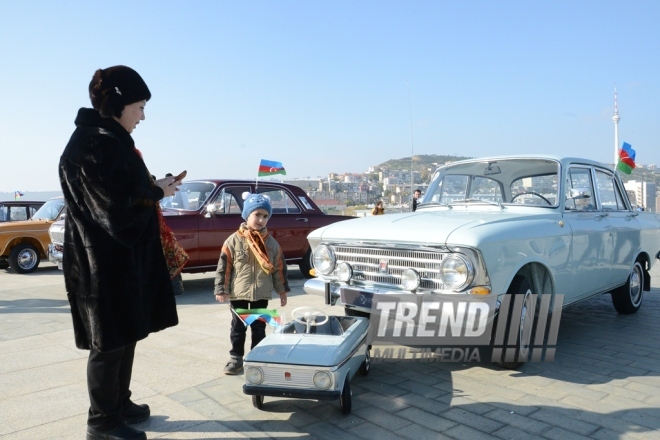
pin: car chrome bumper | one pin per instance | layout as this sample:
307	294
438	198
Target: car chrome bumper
255	390
55	256
316	286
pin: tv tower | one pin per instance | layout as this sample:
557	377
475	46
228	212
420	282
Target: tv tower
616	120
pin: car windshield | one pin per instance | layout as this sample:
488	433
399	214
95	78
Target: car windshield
507	181
50	210
190	196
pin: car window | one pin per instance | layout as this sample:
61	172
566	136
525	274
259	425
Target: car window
535	190
49	210
280	200
229	200
190	196
305	203
579	190
610	196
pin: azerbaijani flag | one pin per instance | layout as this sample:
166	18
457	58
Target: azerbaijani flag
248	316
270	168
626	159
18	195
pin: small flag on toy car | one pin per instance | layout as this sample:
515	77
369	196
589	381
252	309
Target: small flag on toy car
626	159
248	316
270	168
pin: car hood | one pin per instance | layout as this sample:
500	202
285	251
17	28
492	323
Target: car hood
432	226
298	349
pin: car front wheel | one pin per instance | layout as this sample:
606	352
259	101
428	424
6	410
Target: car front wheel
258	401
628	298
520	290
306	264
24	258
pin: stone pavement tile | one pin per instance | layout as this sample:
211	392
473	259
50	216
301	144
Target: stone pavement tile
385	403
433	406
32	380
327	431
588	405
421	389
417	432
22	344
470	405
608	434
511	433
517	407
567	419
424	418
623	403
167	374
45	406
612	422
37	357
617	390
464	417
372	431
643	419
379	387
170	417
201	431
555	433
377	416
465	432
519	421
71	428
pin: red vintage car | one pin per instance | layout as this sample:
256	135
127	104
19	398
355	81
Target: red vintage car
203	213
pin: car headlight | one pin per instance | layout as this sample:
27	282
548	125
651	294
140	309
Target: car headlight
322	380
344	272
456	272
254	375
324	259
410	279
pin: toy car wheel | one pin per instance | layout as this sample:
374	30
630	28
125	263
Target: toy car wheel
258	401
628	298
24	258
346	398
365	367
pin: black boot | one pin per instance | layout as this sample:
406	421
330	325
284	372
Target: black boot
121	432
135	413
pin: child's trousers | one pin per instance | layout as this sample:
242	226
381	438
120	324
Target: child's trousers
238	330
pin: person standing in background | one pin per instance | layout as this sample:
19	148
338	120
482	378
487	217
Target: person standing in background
115	274
378	209
416	196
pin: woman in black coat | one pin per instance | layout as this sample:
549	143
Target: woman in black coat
115	273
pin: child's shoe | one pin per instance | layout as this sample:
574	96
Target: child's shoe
234	365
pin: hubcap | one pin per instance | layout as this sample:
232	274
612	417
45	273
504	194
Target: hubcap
27	259
635	285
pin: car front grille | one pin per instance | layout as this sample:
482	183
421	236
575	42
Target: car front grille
385	266
288	377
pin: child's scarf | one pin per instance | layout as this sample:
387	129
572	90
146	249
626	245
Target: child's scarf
257	243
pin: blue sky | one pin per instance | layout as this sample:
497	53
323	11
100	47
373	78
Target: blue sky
332	86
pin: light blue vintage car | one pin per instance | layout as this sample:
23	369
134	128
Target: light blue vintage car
314	356
524	226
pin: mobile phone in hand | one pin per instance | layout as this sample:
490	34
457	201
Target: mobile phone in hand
181	176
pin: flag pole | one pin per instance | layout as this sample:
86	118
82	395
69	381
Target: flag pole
238	316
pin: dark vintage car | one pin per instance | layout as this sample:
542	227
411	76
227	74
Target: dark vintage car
203	213
18	210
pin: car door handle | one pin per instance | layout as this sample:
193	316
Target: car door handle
305	219
602	214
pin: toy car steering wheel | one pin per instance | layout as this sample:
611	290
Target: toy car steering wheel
307	316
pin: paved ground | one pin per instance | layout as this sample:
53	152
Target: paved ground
604	383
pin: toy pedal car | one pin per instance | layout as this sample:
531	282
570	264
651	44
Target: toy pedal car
314	356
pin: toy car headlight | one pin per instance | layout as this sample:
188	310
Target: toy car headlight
344	272
254	375
456	272
322	380
410	279
324	259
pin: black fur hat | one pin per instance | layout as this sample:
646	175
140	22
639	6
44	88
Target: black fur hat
115	87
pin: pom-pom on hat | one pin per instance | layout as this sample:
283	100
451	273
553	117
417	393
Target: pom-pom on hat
114	88
255	201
